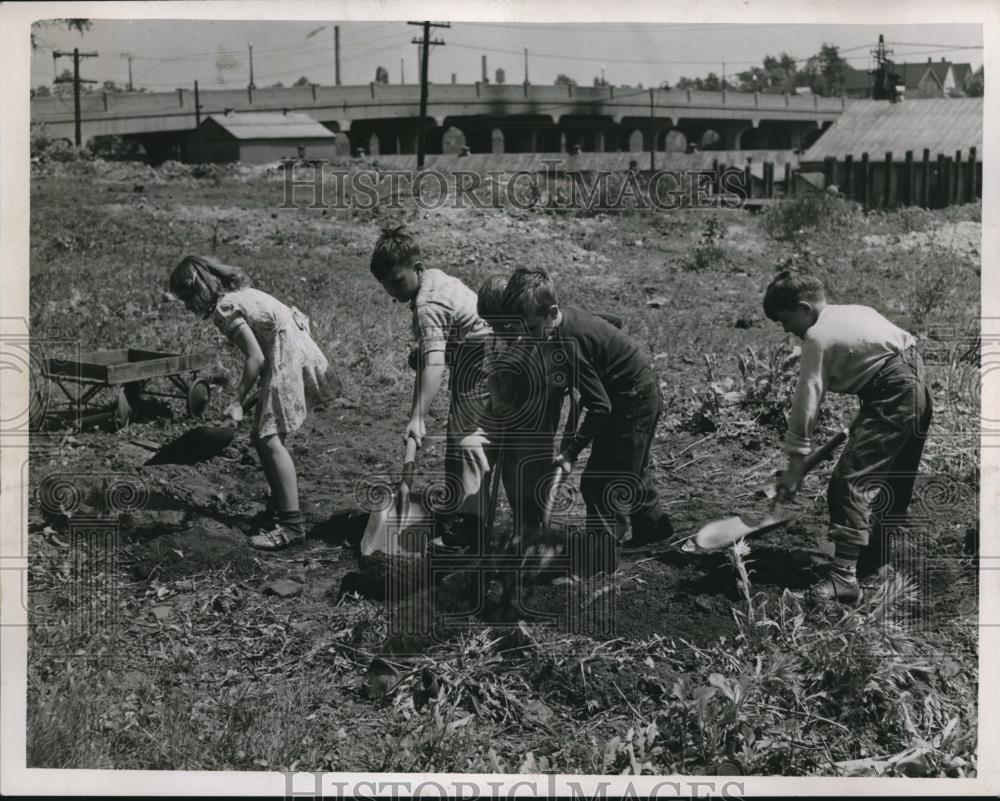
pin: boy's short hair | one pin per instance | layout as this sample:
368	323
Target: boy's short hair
530	292
489	305
788	289
394	246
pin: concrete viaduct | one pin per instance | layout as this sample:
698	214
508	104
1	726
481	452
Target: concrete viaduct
529	118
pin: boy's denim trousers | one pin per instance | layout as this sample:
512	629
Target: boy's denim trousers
872	483
616	484
466	465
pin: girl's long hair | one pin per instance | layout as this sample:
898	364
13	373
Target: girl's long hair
205	278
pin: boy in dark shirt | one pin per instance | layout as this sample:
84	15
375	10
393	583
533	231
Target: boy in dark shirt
620	396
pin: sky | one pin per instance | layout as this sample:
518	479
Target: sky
172	53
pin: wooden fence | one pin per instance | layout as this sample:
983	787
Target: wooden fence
883	183
889	182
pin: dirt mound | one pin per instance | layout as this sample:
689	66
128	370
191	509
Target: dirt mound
964	238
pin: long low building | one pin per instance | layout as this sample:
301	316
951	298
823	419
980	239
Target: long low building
259	138
926	152
877	127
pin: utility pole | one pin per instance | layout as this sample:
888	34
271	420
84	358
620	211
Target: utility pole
336	53
884	87
652	133
525	65
251	67
129	56
197	124
402	70
77	80
425	46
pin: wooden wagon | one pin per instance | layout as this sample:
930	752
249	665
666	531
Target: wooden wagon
127	374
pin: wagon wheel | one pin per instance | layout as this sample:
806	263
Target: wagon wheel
122	412
37	409
198	397
133	393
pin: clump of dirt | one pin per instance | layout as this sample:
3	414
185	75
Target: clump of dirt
196	550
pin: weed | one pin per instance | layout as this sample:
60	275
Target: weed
709	254
931	276
761	394
808	212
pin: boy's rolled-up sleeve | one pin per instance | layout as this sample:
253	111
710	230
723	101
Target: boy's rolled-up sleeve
432	324
809	392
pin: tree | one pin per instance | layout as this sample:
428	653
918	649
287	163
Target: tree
826	72
564	80
79	25
303	81
777	75
111	87
276	85
712	83
381	74
500	76
43	91
64	83
975	84
598	81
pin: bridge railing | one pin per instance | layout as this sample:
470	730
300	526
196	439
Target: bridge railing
240	98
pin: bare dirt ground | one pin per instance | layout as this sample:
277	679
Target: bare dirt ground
222	657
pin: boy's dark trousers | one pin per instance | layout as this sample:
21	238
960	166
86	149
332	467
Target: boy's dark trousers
872	484
616	484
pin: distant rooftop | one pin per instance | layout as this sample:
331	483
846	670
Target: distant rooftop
269	125
942	125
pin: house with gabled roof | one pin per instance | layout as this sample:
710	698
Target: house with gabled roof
920	79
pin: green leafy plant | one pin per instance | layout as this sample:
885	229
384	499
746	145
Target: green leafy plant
709	254
808	212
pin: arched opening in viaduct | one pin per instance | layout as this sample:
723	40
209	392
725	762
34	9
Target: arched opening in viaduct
452	140
671	140
710	139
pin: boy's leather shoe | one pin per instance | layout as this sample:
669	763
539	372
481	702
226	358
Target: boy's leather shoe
660	531
836	587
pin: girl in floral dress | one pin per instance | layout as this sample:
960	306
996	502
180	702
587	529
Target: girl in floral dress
280	357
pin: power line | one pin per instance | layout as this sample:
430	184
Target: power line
638	26
951	46
392	41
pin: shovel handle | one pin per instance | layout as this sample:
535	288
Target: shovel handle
408	462
824	450
813	459
557	477
248	405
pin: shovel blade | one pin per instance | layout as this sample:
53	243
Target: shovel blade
196	445
723	533
397	535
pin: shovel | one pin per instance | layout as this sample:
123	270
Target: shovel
199	444
387	528
723	533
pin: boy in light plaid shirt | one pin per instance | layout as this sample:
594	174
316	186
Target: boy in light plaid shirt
449	332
